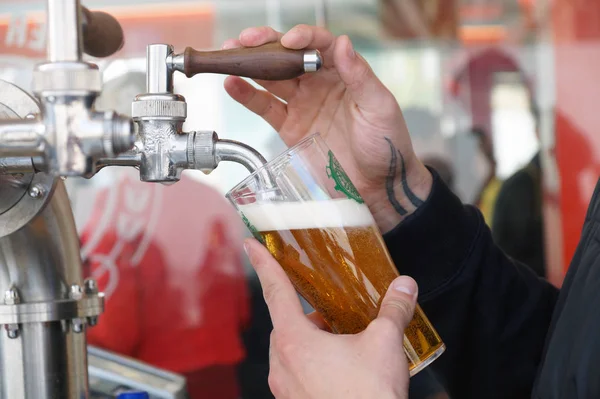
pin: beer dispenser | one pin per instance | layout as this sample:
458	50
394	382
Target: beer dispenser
57	133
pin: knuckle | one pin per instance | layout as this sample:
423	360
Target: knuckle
267	107
271	292
362	74
305	32
302	28
287	350
270	31
285	347
248	95
404	309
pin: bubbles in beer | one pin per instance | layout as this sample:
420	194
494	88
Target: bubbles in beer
335	256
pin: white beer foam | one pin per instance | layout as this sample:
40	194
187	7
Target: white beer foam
305	215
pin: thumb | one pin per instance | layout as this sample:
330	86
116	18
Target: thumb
399	302
365	88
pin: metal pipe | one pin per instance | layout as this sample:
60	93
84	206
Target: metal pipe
234	151
21	138
64	30
39	265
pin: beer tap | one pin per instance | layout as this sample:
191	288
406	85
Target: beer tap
47	304
163	150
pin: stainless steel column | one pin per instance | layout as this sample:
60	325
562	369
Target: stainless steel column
46	307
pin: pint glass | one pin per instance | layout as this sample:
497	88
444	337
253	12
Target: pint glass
303	207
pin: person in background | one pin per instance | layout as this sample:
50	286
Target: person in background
486	198
518	225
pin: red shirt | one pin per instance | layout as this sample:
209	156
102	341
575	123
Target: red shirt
168	259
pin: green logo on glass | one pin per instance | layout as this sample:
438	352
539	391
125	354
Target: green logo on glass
252	229
342	181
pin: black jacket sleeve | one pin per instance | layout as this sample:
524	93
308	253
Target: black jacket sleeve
492	314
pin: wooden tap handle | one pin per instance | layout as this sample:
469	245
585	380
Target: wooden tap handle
267	62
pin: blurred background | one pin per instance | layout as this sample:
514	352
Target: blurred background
499	96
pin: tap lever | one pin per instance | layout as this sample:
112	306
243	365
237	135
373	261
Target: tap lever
267	62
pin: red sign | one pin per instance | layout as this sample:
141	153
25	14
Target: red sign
179	24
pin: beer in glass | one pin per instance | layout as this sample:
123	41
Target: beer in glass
306	211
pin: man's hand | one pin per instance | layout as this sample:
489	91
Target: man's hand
352	109
310	363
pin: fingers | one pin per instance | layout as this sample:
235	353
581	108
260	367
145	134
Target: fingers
312	37
280	295
365	89
284	89
261	102
399	302
364	86
231	43
253	37
297	38
319	321
305	36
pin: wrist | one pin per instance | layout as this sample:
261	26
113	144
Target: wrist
391	204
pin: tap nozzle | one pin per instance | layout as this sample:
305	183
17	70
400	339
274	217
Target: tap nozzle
206	151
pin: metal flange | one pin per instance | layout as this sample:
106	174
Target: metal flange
163	106
22	195
201	151
64	309
60	77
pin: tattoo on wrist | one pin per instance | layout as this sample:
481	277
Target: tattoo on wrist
391	179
